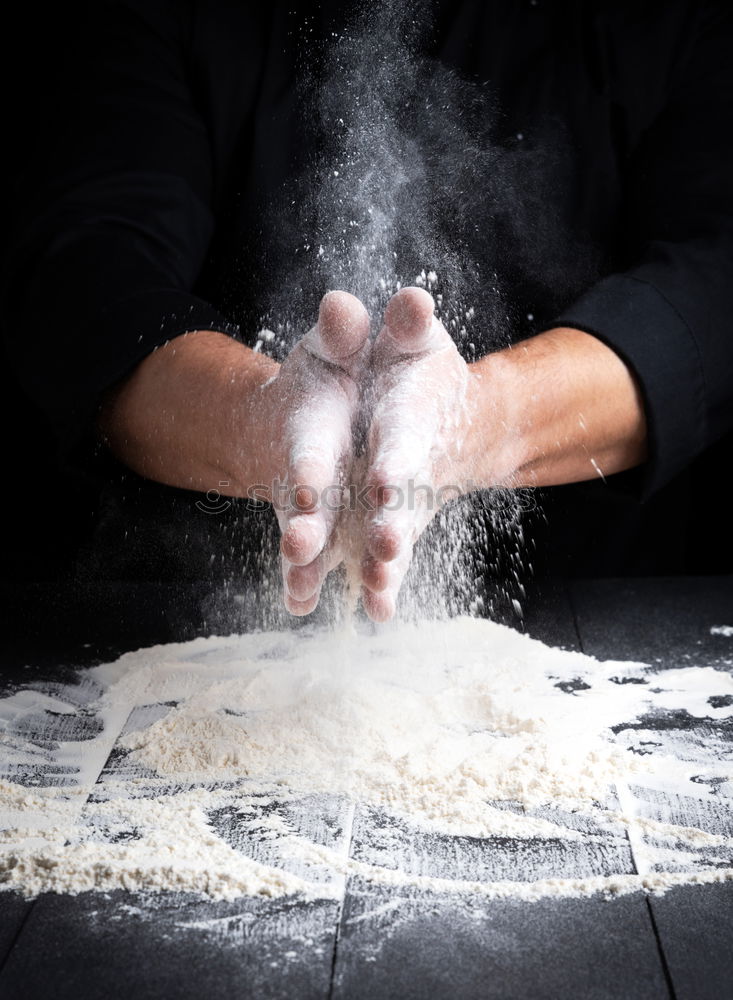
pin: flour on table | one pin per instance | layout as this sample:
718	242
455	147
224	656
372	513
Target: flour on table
281	763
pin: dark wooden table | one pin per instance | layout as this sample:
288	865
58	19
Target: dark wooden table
376	941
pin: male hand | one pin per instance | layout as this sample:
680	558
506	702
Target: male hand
204	409
313	405
415	460
560	407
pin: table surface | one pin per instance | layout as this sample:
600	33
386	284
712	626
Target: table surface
376	941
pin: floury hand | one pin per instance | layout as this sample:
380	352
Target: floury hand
418	386
412	386
317	394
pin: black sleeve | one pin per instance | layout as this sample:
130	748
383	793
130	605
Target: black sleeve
670	316
118	224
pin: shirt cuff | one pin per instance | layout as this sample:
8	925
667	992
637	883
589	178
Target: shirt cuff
635	320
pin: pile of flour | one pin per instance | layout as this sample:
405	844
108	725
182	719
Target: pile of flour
236	766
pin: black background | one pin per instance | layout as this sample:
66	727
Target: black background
45	511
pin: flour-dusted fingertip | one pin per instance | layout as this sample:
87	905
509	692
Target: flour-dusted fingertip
383	542
375	574
379	607
343	326
301	608
303	582
304	539
408	319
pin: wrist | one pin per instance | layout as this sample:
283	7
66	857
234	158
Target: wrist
494	447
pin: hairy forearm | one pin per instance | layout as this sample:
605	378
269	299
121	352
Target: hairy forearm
186	415
562	407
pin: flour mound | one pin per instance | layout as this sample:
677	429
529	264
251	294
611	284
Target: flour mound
431	720
246	765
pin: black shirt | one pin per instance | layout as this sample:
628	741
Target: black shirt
589	180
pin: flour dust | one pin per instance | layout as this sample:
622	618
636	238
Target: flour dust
412	182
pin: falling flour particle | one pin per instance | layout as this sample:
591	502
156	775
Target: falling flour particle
598	469
242	766
726	630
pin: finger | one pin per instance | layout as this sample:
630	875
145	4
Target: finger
304	537
410	326
387	534
300	599
341	331
303	582
380	604
379	607
320	442
312	502
300	608
399	504
374	574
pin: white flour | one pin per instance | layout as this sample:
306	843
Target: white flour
725	630
248	764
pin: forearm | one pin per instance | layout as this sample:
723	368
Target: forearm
561	407
186	415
